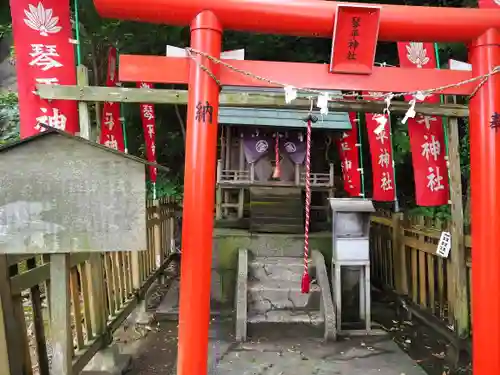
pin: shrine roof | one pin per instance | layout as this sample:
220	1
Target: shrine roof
276	117
51	132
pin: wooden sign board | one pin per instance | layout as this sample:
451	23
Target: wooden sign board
355	36
63	194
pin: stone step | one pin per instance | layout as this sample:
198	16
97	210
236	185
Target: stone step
169	307
281	295
276	268
312	318
256	227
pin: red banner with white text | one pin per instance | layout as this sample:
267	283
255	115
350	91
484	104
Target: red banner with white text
349	157
148	125
44	55
111	127
426	133
379	137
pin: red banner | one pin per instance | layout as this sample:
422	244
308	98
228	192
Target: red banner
44	55
488	3
349	157
426	134
355	37
111	127
148	124
379	138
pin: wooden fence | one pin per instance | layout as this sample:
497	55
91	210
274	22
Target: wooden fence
404	260
105	288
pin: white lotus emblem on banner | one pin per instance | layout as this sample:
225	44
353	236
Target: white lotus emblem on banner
41	20
417	54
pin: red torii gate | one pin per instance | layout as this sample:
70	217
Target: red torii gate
480	28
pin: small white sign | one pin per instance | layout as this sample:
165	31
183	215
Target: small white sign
459	65
237	54
444	245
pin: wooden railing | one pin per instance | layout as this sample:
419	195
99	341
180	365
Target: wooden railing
404	259
247	177
234	176
105	288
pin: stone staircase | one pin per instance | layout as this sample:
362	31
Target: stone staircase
269	292
276	210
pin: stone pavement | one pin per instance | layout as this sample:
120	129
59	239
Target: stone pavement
279	354
312	357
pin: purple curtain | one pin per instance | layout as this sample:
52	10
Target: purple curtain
295	148
256	146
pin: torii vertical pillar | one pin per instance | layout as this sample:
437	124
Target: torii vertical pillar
198	214
485	180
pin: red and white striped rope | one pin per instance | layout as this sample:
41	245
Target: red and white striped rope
308	196
277	171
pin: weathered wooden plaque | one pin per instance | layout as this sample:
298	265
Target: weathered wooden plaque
60	194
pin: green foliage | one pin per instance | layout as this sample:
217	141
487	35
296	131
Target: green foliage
165	187
9	118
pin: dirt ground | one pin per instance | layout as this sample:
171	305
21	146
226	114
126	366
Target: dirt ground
420	342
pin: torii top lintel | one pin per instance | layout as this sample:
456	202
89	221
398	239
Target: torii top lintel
309	17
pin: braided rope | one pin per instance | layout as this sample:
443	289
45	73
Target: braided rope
308	196
482	80
277	171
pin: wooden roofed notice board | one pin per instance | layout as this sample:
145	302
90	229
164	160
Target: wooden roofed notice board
63	194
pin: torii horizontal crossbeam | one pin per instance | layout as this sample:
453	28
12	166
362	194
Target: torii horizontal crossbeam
309	17
158	69
235	99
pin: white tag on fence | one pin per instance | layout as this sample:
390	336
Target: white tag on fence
444	245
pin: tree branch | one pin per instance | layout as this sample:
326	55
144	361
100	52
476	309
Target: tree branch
181	121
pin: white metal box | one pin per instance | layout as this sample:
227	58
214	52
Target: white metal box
351	249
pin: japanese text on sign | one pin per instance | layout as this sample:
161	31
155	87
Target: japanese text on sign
348	151
495	120
353	42
111	128
148	125
204	112
378	128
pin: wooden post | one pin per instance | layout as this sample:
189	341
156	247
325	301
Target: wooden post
227	166
171	227
157	235
4	345
331	171
95	273
252	173
218	203
95	277
219	170
399	255
223	147
11	353
83	110
21	330
218	196
38	323
241	192
458	266
136	270
60	325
